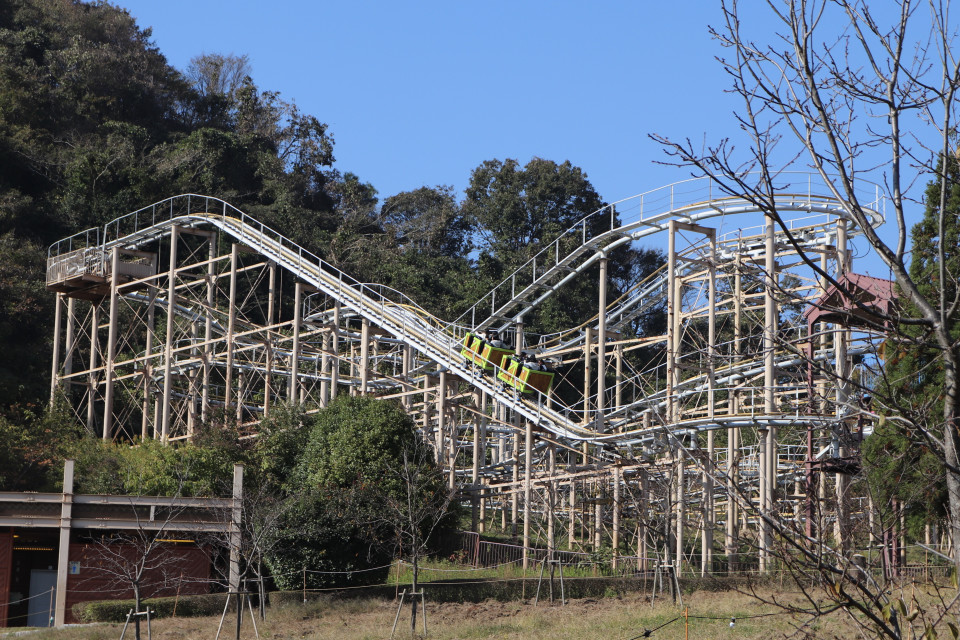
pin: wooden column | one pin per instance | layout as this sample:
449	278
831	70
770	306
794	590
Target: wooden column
231	329
407	386
841	336
111	344
148	366
69	340
642	519
680	506
673	312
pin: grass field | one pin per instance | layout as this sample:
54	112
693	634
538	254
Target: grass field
614	618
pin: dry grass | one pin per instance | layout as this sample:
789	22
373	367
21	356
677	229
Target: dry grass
608	618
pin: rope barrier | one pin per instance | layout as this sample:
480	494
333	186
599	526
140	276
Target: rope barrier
45	594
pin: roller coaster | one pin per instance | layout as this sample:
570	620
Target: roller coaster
189	311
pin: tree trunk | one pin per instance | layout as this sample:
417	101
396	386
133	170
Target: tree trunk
136	610
413	598
950	457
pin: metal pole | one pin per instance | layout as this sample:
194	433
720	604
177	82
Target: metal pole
292	395
364	355
92	376
673	308
601	344
54	377
111	344
527	485
268	339
587	375
168	345
733	434
442	458
148	363
551	500
615	539
768	470
208	329
231	328
706	551
335	351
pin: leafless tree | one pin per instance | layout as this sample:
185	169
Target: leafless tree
413	514
262	511
851	91
139	558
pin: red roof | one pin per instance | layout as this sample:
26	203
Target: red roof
837	306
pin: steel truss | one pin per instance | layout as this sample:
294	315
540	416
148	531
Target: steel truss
190	313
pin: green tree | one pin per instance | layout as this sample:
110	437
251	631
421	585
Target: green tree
216	74
346	466
428	221
519	210
428	234
902	455
33	445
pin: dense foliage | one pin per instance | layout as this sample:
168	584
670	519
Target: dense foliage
94	123
335	471
902	462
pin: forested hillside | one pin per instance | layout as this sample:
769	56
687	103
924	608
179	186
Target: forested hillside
95	123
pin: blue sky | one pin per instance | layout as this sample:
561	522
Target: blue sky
421	93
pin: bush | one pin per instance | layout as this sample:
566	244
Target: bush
210	604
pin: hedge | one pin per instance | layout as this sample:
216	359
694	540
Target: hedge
116	610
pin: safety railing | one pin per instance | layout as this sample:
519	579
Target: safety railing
688	200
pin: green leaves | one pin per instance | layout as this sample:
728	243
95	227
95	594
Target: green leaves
354	440
337	467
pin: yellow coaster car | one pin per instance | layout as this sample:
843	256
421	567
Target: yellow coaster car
525	379
482	353
469	341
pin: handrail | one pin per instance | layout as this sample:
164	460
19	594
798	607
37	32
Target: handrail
688	200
